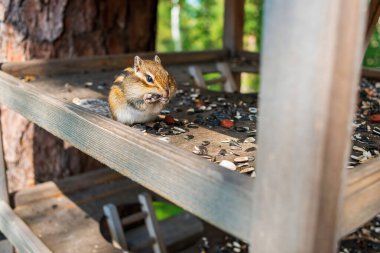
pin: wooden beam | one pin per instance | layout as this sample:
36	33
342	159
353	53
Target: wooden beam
233	25
5	245
152	223
362	198
18	233
107	62
371	73
373	18
3	174
233	30
201	187
115	227
309	85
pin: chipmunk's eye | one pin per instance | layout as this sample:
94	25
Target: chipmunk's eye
149	79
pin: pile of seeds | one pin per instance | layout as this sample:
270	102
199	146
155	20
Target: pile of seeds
228	114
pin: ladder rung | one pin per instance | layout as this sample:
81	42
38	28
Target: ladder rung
133	218
146	244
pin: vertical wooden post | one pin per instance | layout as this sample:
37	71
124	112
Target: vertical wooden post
373	18
5	245
233	29
310	69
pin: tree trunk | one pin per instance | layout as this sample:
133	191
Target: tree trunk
44	29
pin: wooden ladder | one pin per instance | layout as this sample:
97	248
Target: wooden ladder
115	225
226	79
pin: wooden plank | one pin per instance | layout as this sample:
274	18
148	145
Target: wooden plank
115	227
5	245
233	30
151	223
133	218
230	84
108	62
362	198
171	172
3	174
196	72
18	233
307	104
68	221
372	20
371	73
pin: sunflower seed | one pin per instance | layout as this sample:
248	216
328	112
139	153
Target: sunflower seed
247	170
241	159
227	164
250	140
200	150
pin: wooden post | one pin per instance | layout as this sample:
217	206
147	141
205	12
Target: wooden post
5	245
233	29
310	68
373	18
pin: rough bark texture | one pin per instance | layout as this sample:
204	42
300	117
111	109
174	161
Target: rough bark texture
44	29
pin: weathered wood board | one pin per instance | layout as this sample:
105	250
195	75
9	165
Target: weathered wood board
170	170
66	215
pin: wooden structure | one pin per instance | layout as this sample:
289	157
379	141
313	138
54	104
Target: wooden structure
303	200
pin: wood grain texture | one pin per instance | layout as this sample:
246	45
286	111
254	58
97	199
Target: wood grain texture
67	215
18	233
160	167
362	198
110	62
5	246
3	176
307	104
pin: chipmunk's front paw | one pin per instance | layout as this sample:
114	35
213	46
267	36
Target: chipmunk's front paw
152	97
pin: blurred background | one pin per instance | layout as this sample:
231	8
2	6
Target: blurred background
181	26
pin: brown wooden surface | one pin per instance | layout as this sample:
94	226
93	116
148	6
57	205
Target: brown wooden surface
63	29
5	245
55	86
111	62
233	30
162	168
372	20
371	73
362	198
18	233
307	102
65	215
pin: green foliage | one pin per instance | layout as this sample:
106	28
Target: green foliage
201	28
372	55
165	210
201	25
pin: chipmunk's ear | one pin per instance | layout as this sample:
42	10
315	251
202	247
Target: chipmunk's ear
138	63
157	59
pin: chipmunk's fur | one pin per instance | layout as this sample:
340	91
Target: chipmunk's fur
139	94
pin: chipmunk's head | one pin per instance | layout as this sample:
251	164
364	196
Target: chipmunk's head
154	77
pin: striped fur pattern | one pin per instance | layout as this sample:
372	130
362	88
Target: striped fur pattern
138	94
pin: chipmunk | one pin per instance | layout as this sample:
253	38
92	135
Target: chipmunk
140	93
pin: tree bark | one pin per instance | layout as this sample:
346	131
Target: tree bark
44	29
